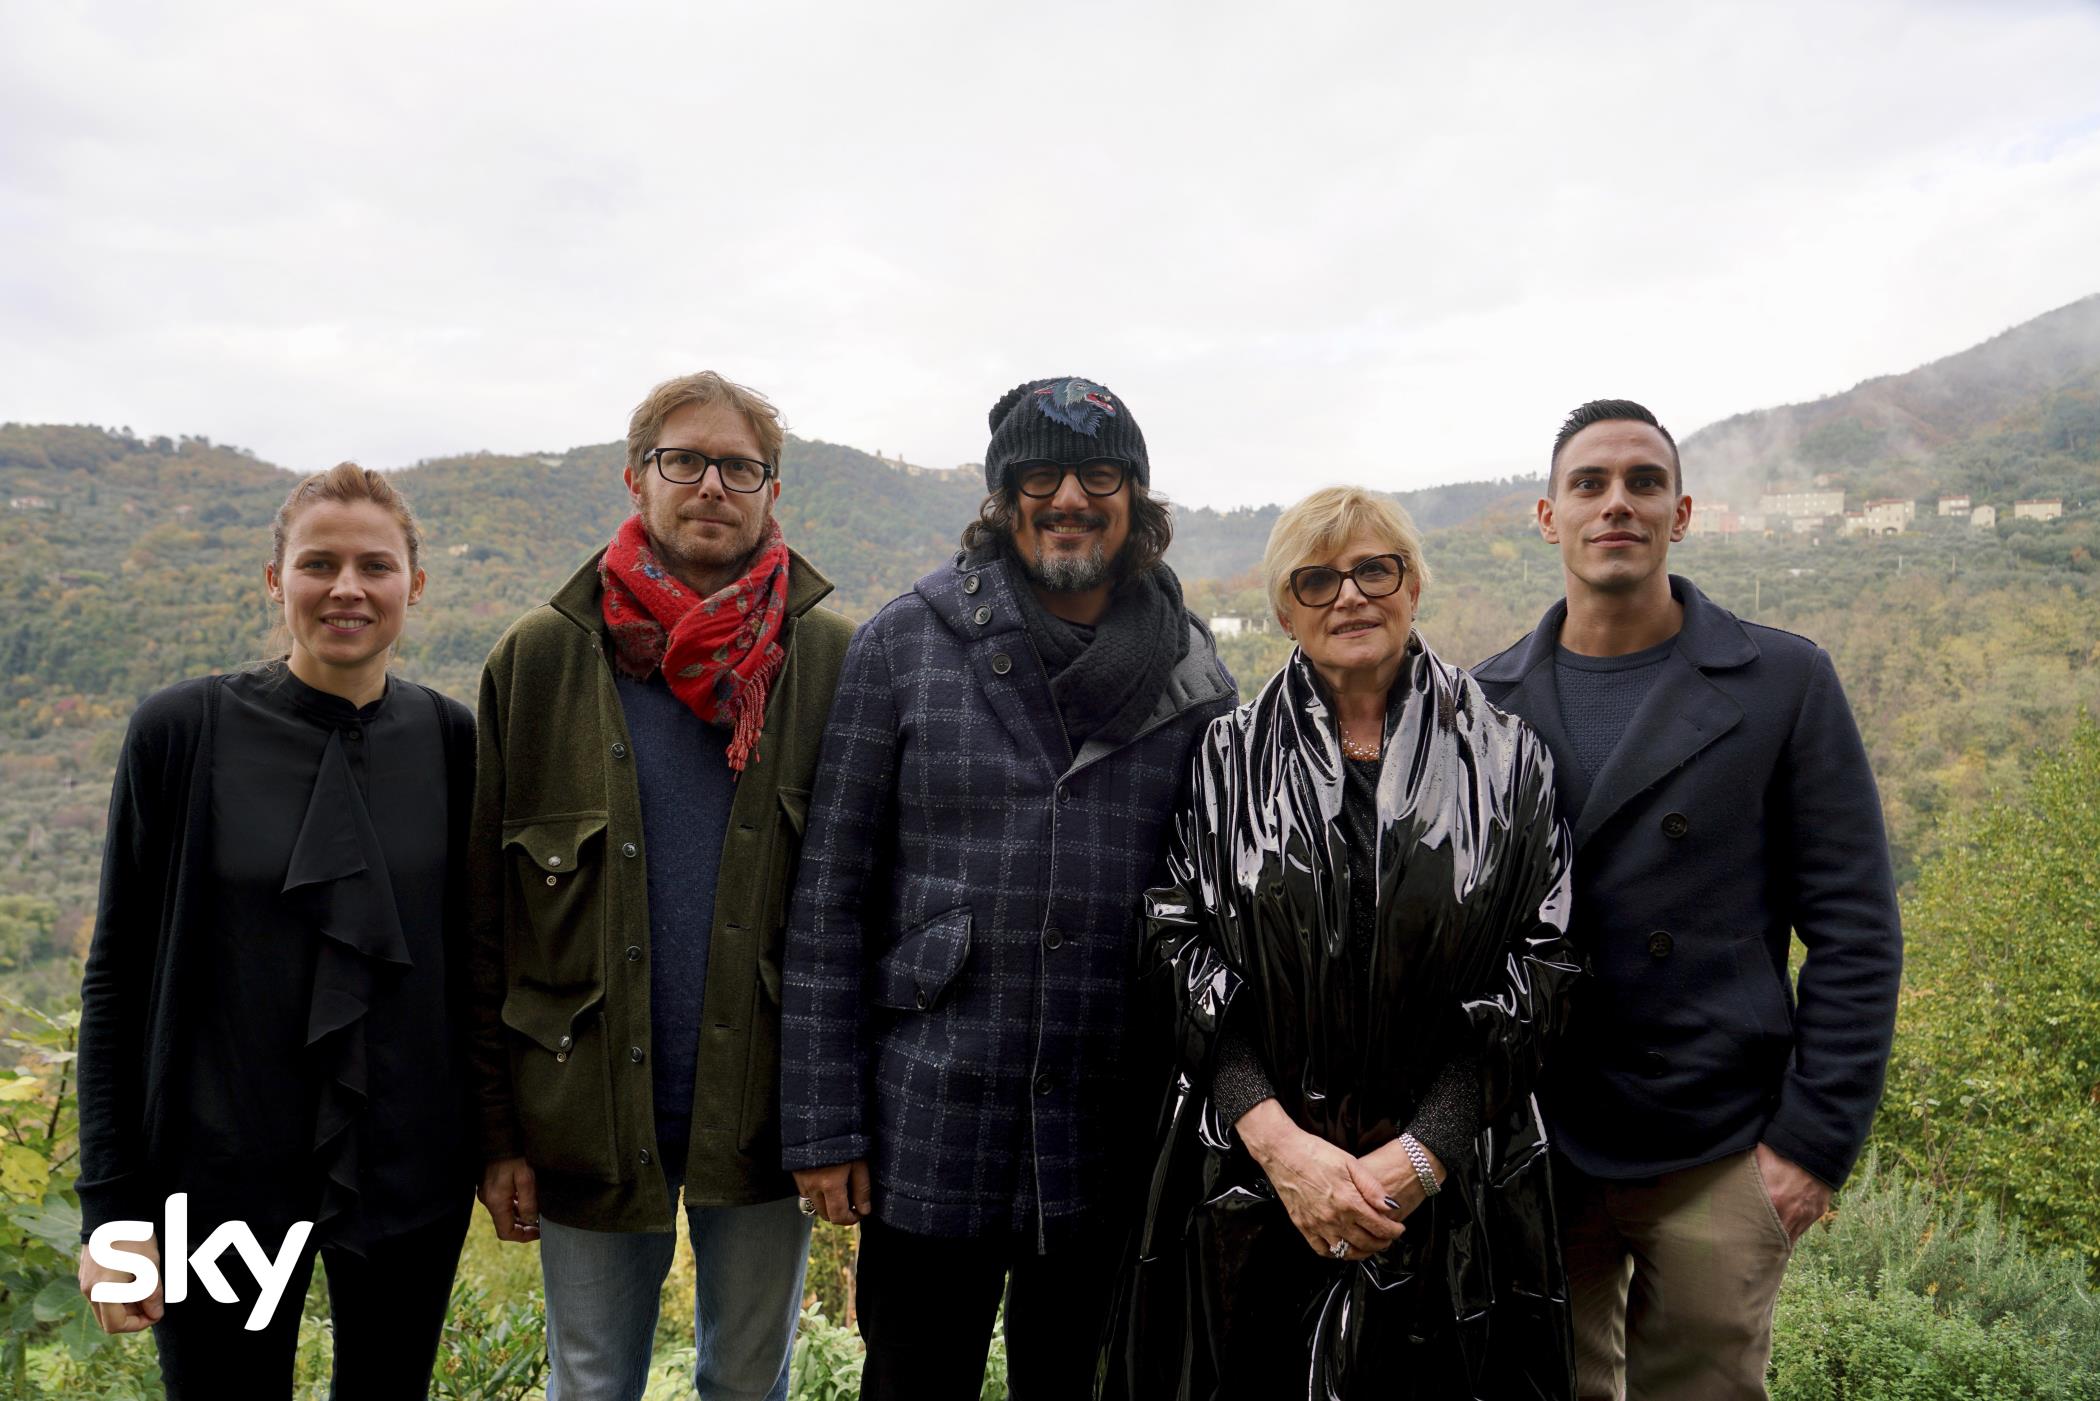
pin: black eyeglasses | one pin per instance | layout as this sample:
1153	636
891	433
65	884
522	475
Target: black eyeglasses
1317	585
685	467
1040	480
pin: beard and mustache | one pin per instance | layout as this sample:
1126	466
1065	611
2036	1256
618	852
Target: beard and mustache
1064	572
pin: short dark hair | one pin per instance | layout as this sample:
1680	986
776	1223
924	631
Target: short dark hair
1151	527
1610	411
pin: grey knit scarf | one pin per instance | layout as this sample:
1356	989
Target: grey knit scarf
1106	679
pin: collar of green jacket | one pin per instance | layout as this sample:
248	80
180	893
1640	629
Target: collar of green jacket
577	600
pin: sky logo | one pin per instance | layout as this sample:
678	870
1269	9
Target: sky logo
181	1262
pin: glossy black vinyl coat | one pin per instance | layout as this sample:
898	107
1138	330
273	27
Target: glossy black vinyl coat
1224	1298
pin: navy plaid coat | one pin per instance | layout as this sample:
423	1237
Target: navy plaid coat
963	943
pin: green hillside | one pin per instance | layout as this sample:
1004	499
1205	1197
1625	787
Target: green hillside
127	563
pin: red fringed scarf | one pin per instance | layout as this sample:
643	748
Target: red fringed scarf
718	654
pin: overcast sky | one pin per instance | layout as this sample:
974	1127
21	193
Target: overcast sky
1386	242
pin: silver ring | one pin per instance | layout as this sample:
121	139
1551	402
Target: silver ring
1338	1249
809	1208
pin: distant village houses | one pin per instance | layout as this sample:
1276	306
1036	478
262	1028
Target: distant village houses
1801	511
1235	625
28	503
1797	504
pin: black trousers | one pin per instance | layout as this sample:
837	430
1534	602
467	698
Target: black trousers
388	1306
926	1307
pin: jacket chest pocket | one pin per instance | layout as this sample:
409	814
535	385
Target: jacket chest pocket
558	894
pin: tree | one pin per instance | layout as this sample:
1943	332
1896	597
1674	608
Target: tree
1994	1087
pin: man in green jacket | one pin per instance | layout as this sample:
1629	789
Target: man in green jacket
647	743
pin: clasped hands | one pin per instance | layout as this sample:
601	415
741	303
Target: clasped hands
1330	1194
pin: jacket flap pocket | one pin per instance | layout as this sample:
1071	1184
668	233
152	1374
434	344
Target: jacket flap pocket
915	971
548	1017
554	843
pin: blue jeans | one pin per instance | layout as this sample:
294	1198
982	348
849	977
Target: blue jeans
603	1289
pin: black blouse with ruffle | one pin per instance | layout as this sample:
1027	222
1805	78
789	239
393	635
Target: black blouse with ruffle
321	1080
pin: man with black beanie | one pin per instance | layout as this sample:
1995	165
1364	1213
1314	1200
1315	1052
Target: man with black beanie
1003	758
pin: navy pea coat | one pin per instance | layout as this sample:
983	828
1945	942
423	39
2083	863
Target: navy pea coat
964	936
1737	810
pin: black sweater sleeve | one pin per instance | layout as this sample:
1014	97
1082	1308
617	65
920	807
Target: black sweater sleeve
148	815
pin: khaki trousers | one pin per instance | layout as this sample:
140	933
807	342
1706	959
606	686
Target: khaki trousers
1672	1280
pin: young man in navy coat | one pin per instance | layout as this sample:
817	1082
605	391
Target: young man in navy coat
1703	1108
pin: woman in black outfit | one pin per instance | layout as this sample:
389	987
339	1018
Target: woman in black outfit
1365	934
265	1019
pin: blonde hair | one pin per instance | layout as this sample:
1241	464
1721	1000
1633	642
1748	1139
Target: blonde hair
344	483
1319	525
647	423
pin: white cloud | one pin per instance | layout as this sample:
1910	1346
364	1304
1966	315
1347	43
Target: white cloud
1380	242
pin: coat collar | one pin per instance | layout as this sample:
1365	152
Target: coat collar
577	600
973	597
1682	714
1712	638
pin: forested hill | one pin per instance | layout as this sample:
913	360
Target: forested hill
131	561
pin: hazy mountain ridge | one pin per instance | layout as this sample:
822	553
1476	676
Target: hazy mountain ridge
1962	423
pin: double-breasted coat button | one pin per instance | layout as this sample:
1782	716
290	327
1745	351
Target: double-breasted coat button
1001	663
1053	940
970	584
1044	1084
566	1042
554	861
619	749
1064	794
554	880
561	1057
629	849
923	1000
1653	1065
1676	824
645	1157
634	953
1660	943
634	1053
983	615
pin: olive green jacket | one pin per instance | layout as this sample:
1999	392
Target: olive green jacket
559	967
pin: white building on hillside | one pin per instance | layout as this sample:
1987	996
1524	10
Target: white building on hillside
1984	518
2046	508
1954	505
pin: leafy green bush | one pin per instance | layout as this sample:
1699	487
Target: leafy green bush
1900	1295
49	1342
1994	1087
1890	1234
490	1350
828	1360
1833	1341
